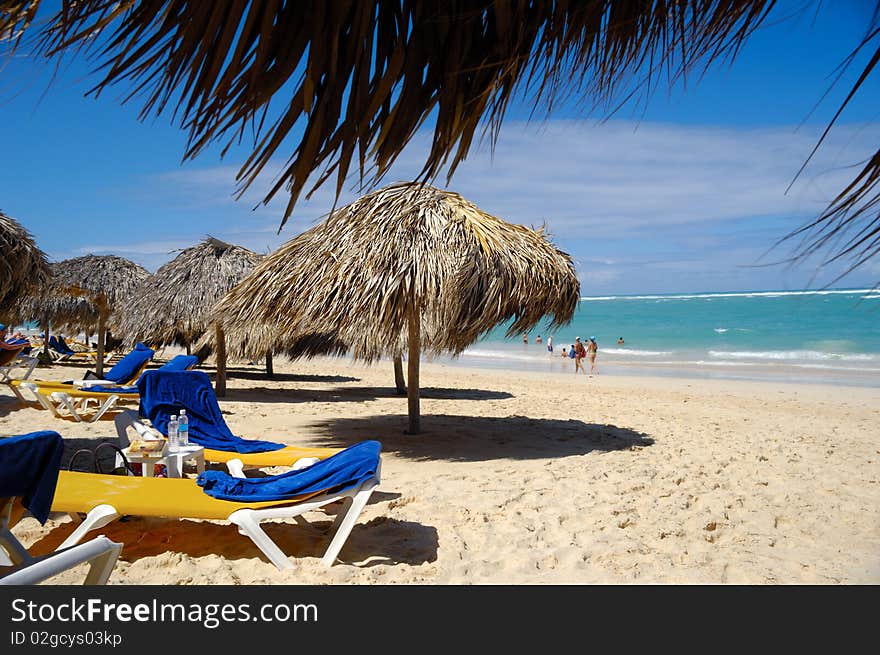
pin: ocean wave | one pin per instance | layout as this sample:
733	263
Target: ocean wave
636	353
738	294
498	354
793	355
721	330
757	365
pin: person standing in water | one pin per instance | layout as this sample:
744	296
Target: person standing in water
592	351
550	344
579	353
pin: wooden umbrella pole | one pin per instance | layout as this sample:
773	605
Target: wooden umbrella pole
399	380
46	338
99	367
220	383
413	371
270	367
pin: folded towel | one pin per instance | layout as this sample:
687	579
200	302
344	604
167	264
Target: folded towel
180	363
29	465
127	367
343	470
102	388
164	393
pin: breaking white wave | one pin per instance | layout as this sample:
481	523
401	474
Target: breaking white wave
636	353
793	355
738	294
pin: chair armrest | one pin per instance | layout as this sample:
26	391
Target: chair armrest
100	552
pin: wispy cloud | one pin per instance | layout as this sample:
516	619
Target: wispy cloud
689	192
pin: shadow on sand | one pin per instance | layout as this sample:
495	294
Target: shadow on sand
480	438
381	540
353	394
8	404
252	374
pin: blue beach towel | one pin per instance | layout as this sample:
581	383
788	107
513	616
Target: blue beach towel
341	471
55	344
29	466
20	342
104	388
177	363
126	368
180	363
164	393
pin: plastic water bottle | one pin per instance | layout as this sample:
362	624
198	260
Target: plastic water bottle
173	434
183	429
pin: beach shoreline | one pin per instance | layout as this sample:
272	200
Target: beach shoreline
771	372
527	478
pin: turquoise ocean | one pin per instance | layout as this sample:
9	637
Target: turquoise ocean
811	336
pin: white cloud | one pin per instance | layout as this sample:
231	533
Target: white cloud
682	191
608	177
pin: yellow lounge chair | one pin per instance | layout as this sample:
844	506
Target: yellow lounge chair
105	498
235	462
56	396
75	397
29	473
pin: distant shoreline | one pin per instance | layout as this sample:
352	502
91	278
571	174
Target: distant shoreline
777	373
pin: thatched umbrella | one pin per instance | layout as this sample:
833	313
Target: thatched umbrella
23	266
51	306
174	304
406	269
105	280
356	80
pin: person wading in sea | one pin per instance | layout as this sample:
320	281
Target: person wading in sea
592	350
579	353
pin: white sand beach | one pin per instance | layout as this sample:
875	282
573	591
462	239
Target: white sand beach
530	478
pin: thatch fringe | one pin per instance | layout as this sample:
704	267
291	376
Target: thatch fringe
364	76
23	266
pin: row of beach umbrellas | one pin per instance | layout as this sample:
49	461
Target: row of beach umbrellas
406	270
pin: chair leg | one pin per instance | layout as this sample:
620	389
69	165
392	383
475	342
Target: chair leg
64	399
249	525
17	393
108	404
97	518
102	566
345	522
43	400
17	553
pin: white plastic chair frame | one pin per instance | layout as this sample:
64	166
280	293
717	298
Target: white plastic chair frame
77	407
22	361
100	553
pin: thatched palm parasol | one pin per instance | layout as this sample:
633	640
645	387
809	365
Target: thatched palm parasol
363	77
23	266
51	306
175	303
406	269
106	280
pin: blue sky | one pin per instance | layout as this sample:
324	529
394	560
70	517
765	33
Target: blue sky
683	192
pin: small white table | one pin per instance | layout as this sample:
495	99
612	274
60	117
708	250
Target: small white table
173	461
